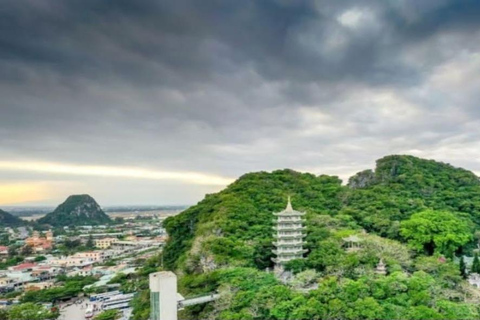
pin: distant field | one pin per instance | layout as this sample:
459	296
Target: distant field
161	213
32	217
122	214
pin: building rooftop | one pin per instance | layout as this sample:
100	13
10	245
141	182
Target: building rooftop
352	238
24	266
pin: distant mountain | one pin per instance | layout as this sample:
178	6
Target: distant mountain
8	220
76	210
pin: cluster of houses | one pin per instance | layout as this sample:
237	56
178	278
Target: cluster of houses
31	275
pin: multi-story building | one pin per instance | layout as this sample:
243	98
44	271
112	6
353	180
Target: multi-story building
105	242
96	256
288	236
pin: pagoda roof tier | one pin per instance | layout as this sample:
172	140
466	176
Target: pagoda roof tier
296	228
289	236
289	252
293	244
352	238
289	213
288	221
281	261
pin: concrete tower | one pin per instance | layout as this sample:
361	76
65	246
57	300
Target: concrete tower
163	296
288	237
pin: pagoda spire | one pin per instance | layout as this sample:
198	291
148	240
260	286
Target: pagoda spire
289	205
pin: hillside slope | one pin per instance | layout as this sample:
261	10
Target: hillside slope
8	220
224	243
234	226
401	185
76	210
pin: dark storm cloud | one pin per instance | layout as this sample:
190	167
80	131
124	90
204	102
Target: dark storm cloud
176	42
226	87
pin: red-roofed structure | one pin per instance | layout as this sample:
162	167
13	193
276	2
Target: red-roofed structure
23	266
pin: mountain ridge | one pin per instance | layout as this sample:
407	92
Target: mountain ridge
9	220
376	200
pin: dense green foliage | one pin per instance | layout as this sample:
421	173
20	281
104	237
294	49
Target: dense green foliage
9	220
71	287
475	264
405	203
76	210
235	225
108	315
251	294
31	311
403	185
11	261
434	231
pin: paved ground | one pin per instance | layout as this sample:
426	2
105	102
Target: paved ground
76	311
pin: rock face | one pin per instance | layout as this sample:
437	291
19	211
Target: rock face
77	210
8	220
362	179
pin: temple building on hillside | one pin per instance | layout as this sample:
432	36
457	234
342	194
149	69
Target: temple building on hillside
352	243
288	236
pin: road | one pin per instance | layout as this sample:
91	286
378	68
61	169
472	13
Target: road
73	311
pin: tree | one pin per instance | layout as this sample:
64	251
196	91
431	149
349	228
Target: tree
107	315
119	220
72	244
436	231
90	244
31	311
296	265
475	264
27	250
463	268
12	251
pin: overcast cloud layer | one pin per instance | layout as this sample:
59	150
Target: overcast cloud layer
214	89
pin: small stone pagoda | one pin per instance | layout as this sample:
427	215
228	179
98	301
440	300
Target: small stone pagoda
381	268
288	236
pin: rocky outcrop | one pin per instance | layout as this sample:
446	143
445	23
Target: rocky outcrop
362	179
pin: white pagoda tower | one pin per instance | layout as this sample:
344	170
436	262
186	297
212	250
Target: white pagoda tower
289	236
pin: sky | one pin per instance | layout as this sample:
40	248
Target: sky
161	102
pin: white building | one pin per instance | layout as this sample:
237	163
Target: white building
289	236
163	296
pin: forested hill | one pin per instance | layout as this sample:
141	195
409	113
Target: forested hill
417	216
402	185
76	210
8	220
234	225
